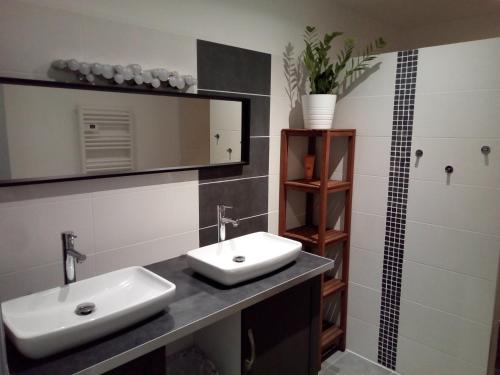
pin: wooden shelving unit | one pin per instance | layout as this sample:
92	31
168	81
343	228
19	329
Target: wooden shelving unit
318	236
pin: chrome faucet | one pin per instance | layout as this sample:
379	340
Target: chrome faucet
70	255
222	220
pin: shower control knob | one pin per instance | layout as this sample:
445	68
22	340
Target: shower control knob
485	150
448	169
419	153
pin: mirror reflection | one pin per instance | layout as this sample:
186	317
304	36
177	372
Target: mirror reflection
56	132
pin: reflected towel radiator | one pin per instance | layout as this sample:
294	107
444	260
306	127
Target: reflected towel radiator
106	139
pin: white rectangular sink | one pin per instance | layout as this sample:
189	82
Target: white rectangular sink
243	258
45	323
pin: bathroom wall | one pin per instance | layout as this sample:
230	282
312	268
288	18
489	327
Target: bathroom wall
109	215
437	318
260	25
451	254
460	30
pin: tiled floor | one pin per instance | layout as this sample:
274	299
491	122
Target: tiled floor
346	363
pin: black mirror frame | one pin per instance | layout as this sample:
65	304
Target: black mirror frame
245	130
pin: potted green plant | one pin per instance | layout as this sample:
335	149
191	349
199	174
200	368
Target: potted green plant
326	78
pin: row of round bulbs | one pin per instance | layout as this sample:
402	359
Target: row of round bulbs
120	74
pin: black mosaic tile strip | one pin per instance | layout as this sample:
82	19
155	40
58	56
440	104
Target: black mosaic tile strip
399	174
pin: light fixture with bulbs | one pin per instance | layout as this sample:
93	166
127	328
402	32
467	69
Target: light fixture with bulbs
119	74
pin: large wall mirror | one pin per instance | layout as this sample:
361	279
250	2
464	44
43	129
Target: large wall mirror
57	131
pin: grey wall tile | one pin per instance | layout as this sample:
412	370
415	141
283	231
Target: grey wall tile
259	164
226	68
260	107
248	197
208	236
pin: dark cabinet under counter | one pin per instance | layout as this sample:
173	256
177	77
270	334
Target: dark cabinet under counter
198	304
280	335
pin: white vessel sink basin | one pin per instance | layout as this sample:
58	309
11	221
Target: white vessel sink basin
243	258
45	323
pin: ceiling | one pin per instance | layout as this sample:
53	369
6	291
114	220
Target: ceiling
419	13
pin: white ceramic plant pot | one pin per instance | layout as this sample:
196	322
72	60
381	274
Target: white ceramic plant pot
318	110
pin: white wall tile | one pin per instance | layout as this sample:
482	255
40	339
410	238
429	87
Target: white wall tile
417	359
368	231
362	338
31	233
146	253
273	192
471	167
455	293
380	80
295	209
31	280
283	115
274	155
461	66
369	115
372	156
365	268
445	332
456	206
279	115
364	303
465	114
297	148
120	219
272	222
292	221
370	194
466	252
32	37
128	184
279	83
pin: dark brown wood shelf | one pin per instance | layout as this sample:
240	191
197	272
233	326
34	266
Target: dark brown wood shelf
331	286
314	186
310	234
315	235
330	334
320	132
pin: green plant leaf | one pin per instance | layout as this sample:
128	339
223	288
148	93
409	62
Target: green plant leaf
322	74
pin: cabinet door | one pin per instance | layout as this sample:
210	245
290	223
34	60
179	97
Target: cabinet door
283	333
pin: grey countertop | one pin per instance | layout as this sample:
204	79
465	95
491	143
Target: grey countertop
198	303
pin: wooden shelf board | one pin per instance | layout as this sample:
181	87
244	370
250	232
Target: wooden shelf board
315	185
330	333
320	132
310	235
331	286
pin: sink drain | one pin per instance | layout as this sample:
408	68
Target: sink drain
239	259
85	308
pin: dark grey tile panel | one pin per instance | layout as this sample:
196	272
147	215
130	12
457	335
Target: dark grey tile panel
260	109
197	303
259	164
248	197
208	236
226	68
